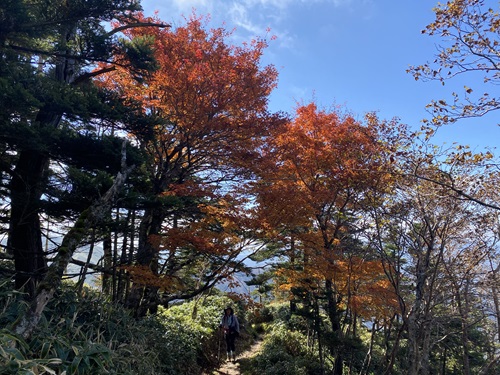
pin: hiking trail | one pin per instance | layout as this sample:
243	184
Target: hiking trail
233	368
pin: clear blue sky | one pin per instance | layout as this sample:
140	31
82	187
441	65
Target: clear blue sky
349	52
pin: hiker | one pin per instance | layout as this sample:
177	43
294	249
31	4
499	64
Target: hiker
231	327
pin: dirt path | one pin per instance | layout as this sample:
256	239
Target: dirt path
233	368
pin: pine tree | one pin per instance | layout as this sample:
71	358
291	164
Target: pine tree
49	106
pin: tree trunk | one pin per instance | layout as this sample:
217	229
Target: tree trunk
334	318
317	328
26	189
332	305
464	317
25	241
293	304
443	364
418	321
107	263
368	358
121	279
151	225
419	343
144	299
115	258
426	349
494	292
84	269
339	364
392	357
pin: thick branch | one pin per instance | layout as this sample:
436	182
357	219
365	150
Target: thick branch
95	73
138	24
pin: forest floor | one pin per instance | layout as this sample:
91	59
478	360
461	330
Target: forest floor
235	368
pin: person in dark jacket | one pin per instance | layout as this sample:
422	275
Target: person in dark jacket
229	323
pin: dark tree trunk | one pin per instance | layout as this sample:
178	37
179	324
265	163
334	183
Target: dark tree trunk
107	258
121	280
494	292
25	240
317	328
390	357
84	268
332	306
107	262
333	315
145	299
26	189
293	304
338	366
147	253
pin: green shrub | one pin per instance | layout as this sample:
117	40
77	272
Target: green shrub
14	357
280	311
194	340
86	334
262	315
285	352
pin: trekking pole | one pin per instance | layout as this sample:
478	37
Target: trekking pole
218	351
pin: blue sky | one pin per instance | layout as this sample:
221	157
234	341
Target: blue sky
349	52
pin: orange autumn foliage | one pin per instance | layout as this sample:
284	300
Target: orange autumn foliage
362	285
142	275
211	96
321	165
321	172
208	99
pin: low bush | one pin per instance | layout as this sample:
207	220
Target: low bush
195	342
86	334
81	335
284	352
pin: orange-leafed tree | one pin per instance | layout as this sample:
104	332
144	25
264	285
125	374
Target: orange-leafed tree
210	99
323	169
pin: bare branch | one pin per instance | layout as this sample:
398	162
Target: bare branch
138	24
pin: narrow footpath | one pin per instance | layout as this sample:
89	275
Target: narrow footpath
233	368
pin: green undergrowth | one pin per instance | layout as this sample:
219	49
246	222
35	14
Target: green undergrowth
86	334
285	349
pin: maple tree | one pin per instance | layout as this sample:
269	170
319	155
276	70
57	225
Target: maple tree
322	169
209	99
